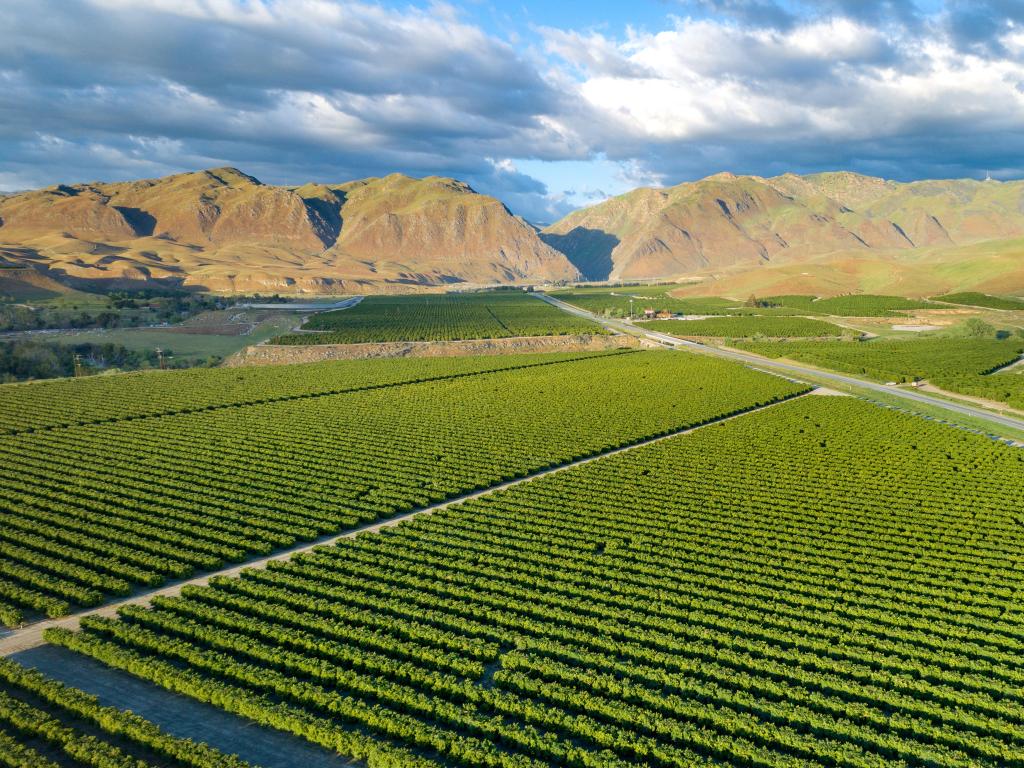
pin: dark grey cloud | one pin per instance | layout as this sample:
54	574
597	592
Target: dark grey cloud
330	90
915	156
760	13
779	15
978	25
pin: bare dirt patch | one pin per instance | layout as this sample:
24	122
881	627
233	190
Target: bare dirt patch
279	354
826	392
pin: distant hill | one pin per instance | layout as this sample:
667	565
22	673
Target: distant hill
224	230
824	233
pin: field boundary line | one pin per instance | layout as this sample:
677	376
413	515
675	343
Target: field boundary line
31	636
308	395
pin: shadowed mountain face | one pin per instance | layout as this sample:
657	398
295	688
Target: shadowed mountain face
741	223
590	250
224	230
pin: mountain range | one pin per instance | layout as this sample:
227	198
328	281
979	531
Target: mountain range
223	230
821	233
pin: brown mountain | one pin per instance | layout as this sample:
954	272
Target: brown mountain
224	230
828	232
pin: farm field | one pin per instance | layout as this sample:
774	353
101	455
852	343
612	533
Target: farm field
958	365
67	402
616	302
748	327
184	342
99	510
975	299
45	724
858	305
785	589
439	317
1005	386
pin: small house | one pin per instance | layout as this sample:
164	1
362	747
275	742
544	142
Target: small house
665	315
650	314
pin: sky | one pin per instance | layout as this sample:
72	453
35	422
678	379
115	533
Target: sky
547	105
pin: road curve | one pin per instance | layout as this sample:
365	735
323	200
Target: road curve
32	635
789	369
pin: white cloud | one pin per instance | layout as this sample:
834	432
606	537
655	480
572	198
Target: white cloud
330	89
825	80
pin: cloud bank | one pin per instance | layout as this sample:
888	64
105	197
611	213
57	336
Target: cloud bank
328	91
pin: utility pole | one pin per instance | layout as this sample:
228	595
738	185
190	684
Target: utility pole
160	357
78	365
631	310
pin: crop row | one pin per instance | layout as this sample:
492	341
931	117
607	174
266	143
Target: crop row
121	397
1005	387
95	511
443	317
853	305
748	327
785	589
958	365
617	302
975	299
40	716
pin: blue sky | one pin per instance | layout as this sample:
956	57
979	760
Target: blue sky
547	105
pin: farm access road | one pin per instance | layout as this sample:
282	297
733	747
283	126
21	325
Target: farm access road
31	636
790	370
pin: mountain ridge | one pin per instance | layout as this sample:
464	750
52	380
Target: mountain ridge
221	229
732	224
224	230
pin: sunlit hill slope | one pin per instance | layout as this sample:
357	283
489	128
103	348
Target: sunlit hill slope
223	230
829	232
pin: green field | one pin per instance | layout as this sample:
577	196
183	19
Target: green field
445	317
749	327
858	305
179	345
815	581
961	365
615	302
119	397
94	511
785	589
972	299
41	718
1005	387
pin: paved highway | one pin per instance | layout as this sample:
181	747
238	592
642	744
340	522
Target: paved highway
792	370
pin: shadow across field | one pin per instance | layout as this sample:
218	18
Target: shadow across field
180	715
